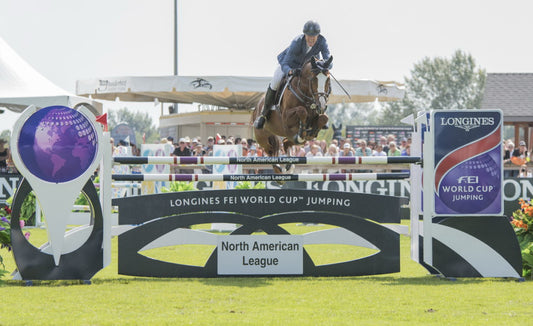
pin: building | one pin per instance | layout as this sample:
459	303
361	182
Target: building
513	94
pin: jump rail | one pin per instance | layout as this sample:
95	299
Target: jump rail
260	177
199	160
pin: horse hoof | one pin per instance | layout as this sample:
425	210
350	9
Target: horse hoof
289	168
277	169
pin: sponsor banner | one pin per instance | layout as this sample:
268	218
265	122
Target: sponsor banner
227	151
467	162
8	185
155	150
260	254
373	133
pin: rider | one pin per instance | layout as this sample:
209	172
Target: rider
291	60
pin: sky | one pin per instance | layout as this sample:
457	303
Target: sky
70	40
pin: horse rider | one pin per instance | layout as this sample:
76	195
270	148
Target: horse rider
310	43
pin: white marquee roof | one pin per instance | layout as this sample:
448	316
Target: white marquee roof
21	85
224	91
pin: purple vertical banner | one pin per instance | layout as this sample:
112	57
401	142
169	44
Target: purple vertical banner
468	165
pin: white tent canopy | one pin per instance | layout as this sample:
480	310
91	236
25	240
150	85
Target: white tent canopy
224	91
22	86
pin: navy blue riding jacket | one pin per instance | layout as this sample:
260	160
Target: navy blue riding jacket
295	55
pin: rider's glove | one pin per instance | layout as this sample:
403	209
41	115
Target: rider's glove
296	72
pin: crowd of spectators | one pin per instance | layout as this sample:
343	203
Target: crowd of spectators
386	146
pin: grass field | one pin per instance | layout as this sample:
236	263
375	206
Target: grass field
410	297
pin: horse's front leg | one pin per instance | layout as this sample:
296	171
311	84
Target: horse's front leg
296	119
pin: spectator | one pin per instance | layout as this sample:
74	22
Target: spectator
323	146
393	150
406	151
524	172
507	154
298	151
188	142
332	151
244	145
363	150
194	142
403	144
384	144
346	150
379	151
508	151
521	152
209	147
182	150
252	152
198	150
314	151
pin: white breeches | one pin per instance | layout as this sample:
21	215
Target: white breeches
278	75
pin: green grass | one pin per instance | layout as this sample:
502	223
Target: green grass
410	297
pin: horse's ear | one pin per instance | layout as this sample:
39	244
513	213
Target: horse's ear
313	62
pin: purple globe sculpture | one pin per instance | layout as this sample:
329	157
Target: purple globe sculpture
57	144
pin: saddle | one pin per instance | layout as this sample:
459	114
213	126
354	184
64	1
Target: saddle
281	90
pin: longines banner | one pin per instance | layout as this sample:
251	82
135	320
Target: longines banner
468	163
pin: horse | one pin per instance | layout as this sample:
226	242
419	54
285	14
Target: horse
300	114
337	132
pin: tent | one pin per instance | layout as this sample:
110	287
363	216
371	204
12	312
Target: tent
21	86
224	91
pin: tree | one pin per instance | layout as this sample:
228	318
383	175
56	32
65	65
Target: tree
353	113
6	135
141	122
439	84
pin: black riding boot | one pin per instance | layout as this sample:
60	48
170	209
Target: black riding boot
269	101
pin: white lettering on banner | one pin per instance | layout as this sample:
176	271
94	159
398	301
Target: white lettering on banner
514	189
260	255
467	123
400	188
328	201
9	188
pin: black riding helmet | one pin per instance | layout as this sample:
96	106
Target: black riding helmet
311	28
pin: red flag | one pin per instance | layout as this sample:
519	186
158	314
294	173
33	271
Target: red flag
217	138
103	120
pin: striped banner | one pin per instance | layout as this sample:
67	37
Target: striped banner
261	177
324	160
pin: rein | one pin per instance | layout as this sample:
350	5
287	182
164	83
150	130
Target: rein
309	101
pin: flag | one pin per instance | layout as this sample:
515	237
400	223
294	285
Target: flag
103	120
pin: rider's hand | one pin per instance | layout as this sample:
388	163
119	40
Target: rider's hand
296	72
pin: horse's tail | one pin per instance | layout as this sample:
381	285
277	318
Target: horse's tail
274	145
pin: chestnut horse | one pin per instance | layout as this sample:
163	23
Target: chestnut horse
300	114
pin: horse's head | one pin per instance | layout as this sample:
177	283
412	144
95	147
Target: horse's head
317	73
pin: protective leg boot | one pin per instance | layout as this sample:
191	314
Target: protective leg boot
269	101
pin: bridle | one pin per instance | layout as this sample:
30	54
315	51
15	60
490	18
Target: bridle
317	100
